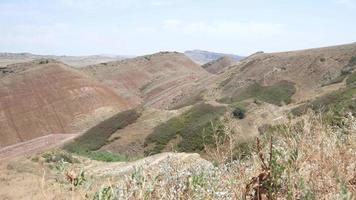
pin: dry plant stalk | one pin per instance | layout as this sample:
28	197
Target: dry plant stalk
257	187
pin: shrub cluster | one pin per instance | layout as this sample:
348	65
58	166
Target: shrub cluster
279	94
91	141
194	127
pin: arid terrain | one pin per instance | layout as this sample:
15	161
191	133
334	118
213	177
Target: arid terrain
162	126
75	61
47	97
203	57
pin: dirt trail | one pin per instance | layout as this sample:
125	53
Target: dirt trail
35	145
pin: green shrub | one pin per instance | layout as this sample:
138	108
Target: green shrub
194	128
106	156
351	80
278	94
187	101
243	151
352	61
337	79
54	157
239	112
98	136
337	103
105	193
43	62
344	72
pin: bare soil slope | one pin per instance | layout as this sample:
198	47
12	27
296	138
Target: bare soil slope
307	69
219	65
157	80
47	97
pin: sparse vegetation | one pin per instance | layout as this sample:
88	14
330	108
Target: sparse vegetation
76	179
187	101
345	72
57	156
42	62
335	80
105	193
278	94
337	104
307	159
351	80
91	141
194	128
107	156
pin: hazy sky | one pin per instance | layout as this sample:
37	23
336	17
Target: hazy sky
133	27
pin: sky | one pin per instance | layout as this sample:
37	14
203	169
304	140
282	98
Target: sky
136	27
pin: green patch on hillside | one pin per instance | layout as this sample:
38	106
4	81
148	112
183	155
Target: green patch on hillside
336	103
91	141
345	72
195	128
192	99
278	94
351	80
335	80
239	109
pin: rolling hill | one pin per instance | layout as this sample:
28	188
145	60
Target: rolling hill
160	80
203	57
47	97
308	70
219	65
74	61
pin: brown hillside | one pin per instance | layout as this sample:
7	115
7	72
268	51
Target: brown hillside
308	69
47	97
158	80
219	65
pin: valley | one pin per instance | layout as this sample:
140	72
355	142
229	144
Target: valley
79	129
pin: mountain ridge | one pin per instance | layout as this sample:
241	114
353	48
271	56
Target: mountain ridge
203	57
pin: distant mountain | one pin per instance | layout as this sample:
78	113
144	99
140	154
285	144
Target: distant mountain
75	61
219	65
203	57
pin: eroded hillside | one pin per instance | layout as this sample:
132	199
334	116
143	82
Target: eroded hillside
219	65
159	80
309	70
47	97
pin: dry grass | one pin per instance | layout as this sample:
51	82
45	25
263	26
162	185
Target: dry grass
307	159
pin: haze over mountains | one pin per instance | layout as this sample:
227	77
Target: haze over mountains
203	57
75	61
198	56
